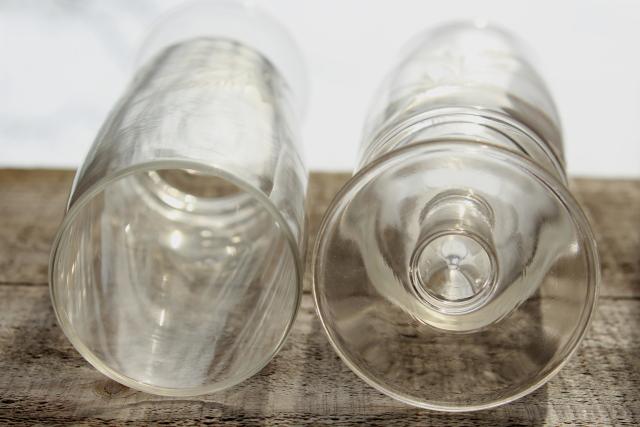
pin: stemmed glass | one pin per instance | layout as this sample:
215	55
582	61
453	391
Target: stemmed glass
455	271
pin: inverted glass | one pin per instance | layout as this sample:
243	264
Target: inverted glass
455	271
177	269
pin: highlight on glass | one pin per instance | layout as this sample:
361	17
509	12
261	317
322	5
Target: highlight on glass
177	269
455	271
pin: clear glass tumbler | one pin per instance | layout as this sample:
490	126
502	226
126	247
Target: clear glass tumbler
455	271
177	269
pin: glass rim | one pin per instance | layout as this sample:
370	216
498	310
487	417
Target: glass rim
370	171
71	213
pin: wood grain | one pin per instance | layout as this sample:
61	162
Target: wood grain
43	380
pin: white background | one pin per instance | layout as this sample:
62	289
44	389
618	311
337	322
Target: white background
64	63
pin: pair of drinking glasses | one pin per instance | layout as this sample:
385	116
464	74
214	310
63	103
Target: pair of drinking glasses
454	271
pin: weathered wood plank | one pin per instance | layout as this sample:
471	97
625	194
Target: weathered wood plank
613	206
32	204
44	380
31	207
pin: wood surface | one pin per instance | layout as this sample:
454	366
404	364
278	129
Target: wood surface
43	380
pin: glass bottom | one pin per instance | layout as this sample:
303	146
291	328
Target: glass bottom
175	280
455	275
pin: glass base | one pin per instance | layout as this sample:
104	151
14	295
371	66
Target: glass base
455	275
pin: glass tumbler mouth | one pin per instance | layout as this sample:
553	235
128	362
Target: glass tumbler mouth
175	278
455	275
